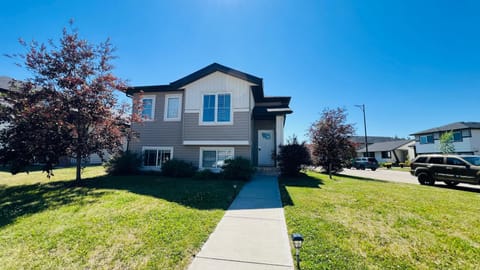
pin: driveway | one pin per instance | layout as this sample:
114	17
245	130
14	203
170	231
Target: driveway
400	177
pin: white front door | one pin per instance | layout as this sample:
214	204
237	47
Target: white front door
266	147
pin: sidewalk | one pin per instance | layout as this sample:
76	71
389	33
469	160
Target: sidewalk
252	234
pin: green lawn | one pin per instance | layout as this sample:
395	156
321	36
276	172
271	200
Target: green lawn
136	222
352	223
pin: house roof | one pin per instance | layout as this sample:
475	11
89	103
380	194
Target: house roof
385	146
267	111
451	126
215	67
371	139
265	107
5	83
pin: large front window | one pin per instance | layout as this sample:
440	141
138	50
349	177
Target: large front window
156	156
217	108
215	157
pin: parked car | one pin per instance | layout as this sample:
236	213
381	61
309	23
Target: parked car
363	163
451	169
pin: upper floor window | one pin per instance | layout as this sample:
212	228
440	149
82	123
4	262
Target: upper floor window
426	139
173	107
217	108
457	136
466	133
148	108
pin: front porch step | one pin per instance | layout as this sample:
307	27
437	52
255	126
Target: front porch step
271	171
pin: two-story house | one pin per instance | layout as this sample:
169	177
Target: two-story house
211	115
466	138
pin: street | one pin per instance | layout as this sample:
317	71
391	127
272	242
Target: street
401	177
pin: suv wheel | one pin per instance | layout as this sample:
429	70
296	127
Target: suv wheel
451	183
373	169
425	179
362	167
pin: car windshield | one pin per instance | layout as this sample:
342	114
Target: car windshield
475	160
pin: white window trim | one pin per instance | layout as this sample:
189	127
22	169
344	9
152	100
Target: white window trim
215	122
156	148
165	113
216	143
200	162
153	97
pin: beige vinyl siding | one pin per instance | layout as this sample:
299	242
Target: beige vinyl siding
217	82
240	130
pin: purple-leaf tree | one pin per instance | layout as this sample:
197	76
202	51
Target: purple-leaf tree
330	140
68	107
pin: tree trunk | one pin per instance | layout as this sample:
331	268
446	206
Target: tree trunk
330	170
78	177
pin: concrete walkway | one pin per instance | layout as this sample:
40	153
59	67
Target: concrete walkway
252	234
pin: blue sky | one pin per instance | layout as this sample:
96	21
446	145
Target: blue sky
414	64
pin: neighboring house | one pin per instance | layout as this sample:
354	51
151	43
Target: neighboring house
211	115
466	138
359	141
4	87
391	151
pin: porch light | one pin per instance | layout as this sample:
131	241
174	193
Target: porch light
297	240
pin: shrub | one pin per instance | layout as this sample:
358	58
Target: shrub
387	165
238	168
178	168
124	163
292	156
206	174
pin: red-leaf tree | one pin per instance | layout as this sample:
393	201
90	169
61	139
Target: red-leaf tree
67	108
329	137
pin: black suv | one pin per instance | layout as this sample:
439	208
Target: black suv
451	169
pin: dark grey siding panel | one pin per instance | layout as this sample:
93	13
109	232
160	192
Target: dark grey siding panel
158	132
243	151
162	133
260	125
192	153
240	130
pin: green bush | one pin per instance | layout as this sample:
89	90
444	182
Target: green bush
387	165
124	163
238	168
178	168
206	174
292	156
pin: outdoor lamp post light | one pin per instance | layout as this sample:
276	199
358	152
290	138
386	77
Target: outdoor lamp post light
297	240
362	107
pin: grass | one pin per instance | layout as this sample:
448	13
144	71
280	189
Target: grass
354	223
136	222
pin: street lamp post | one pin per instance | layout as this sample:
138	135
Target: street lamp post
362	107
